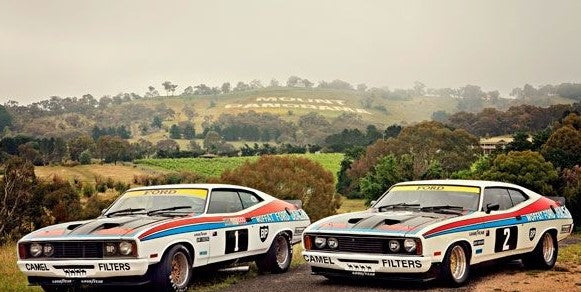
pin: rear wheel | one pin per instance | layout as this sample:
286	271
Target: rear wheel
278	258
544	256
456	265
174	271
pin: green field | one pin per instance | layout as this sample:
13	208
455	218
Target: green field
215	166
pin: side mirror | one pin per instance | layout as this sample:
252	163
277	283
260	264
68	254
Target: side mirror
492	207
372	203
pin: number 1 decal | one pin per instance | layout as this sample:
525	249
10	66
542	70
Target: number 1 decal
236	241
506	239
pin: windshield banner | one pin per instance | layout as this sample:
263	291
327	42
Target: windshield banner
200	193
437	188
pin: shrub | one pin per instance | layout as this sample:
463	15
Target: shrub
88	190
85	157
168	178
289	178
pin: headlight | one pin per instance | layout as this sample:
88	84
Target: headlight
110	249
320	242
409	245
333	243
125	248
35	250
394	245
48	250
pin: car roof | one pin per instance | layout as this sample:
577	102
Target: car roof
191	186
461	182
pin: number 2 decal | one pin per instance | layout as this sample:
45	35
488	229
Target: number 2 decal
506	238
236	240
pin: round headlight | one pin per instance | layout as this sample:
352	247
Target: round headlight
48	250
394	245
333	243
35	249
320	242
110	249
125	248
409	245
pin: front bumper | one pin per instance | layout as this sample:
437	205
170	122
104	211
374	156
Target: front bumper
366	264
83	269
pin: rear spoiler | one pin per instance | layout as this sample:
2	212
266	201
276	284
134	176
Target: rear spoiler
297	203
559	200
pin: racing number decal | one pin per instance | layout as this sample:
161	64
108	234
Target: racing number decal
236	240
506	238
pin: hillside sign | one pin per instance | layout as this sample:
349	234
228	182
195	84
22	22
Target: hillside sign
298	103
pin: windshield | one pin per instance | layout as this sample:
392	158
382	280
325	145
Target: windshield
158	201
423	196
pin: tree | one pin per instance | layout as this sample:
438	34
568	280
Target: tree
384	174
167	148
563	148
307	83
80	144
188	91
5	118
175	132
15	193
212	140
151	92
525	168
293	81
226	87
289	178
440	116
169	87
157	122
112	149
188	131
362	87
255	84
195	148
274	83
520	142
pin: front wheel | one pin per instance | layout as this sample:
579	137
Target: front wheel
278	258
174	271
456	265
544	256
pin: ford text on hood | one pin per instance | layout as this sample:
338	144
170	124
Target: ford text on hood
156	235
428	229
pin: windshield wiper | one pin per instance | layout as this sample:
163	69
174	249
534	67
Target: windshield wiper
444	209
397	206
163	210
128	210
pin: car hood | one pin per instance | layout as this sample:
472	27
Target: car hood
100	227
392	222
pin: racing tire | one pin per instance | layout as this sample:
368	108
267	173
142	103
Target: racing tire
174	271
455	268
49	288
544	256
278	257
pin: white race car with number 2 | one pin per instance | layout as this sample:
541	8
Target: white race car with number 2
438	229
157	235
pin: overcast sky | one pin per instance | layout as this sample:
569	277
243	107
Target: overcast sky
71	47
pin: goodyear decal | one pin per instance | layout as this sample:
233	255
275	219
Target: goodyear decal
200	193
437	188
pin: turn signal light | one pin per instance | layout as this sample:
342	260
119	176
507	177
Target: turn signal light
307	241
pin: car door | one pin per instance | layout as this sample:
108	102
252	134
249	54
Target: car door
504	228
527	231
235	239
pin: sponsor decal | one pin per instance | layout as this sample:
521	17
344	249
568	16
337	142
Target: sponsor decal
407	264
566	228
110	267
201	193
506	238
203	239
75	273
478	242
92	281
319	259
282	216
476	233
437	188
61	281
36	267
479	251
532	233
360	270
203	252
263	233
234	221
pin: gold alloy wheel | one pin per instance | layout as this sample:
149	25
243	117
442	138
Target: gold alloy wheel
281	251
458	262
548	248
179	269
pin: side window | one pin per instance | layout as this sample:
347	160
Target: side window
498	196
224	202
248	199
517	196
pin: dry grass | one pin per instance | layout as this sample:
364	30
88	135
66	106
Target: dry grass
86	173
11	279
351	205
